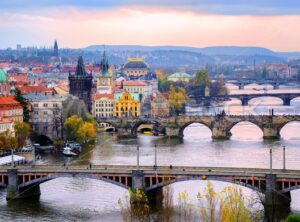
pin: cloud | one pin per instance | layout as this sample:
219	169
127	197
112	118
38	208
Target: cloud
225	7
148	26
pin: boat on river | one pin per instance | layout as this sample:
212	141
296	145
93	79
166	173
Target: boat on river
67	151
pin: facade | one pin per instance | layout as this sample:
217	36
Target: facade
141	87
10	109
46	113
126	104
105	80
103	105
179	76
4	86
136	67
160	105
80	84
6	125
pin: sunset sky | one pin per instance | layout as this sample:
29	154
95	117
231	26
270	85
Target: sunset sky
78	23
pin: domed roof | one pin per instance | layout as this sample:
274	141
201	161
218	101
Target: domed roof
135	63
180	75
3	77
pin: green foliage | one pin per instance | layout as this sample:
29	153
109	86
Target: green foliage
79	130
57	142
19	97
135	207
293	218
164	85
177	98
7	141
22	132
198	83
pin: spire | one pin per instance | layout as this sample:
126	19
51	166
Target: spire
80	71
55	48
104	64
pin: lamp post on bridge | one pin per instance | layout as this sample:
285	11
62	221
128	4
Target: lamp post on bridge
271	170
284	158
138	157
155	157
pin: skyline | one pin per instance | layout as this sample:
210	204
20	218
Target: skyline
76	24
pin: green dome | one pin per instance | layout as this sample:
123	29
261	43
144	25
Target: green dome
180	75
3	77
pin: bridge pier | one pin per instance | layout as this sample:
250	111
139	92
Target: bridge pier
124	133
241	86
275	201
245	101
286	101
220	133
155	196
271	133
13	190
276	85
172	131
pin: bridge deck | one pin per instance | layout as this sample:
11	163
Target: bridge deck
149	170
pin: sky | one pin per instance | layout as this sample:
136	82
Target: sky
273	24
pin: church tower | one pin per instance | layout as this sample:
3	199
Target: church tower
55	48
80	83
105	80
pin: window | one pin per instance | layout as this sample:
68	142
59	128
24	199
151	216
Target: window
45	112
55	105
36	105
36	113
45	105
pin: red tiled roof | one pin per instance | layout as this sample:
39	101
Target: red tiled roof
104	95
17	78
32	89
9	102
131	83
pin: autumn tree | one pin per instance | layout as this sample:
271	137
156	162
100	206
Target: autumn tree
7	141
79	130
86	132
22	132
71	126
177	98
160	75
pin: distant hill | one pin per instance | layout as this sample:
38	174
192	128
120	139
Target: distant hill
214	50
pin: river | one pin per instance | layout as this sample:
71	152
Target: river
67	199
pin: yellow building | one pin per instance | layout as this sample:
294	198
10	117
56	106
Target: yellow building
127	104
179	76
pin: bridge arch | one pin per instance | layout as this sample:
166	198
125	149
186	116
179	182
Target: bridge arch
182	128
287	123
245	121
251	99
208	178
155	123
120	182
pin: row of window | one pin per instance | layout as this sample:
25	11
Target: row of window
45	105
104	105
104	110
55	112
125	114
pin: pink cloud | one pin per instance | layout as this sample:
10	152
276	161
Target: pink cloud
161	26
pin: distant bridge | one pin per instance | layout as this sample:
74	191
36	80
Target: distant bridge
24	181
242	82
219	125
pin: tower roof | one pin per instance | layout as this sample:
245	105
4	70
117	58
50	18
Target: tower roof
104	66
80	70
3	77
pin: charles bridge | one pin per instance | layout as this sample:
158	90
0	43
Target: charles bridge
275	184
220	125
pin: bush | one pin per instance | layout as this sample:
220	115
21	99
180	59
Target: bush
293	218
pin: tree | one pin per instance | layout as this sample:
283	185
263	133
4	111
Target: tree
22	132
7	141
177	99
86	132
161	75
198	84
19	97
71	126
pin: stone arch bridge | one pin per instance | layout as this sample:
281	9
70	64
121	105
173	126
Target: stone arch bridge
24	181
219	125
